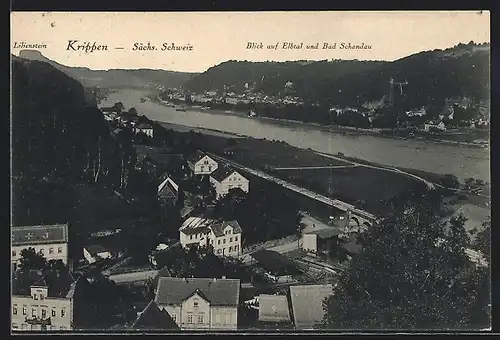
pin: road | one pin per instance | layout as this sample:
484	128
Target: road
134	276
329	201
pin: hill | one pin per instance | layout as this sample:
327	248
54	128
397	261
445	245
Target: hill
115	78
433	76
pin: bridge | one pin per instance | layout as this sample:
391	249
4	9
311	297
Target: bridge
357	218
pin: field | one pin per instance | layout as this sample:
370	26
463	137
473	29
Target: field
353	185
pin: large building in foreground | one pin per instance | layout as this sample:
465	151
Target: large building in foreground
43	301
200	303
51	241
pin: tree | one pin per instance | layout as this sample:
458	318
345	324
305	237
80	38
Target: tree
412	272
30	260
450	181
482	241
119	107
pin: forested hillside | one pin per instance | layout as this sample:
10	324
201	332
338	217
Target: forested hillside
118	78
433	76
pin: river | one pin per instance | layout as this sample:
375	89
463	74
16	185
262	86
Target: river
461	161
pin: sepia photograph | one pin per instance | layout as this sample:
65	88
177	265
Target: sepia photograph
239	172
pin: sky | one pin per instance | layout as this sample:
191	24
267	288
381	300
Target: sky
216	37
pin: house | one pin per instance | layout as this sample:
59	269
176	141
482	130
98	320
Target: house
51	241
202	164
225	178
43	301
224	237
278	267
273	308
95	252
307	304
431	126
318	241
145	128
168	191
152	318
200	303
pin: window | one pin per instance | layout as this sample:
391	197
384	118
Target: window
24	311
230	249
59	250
190	318
63	313
41	251
227	320
231	239
14	310
218	251
35	296
53	312
218	241
195	304
236	238
201	318
190	237
14	326
236	248
41	297
33	312
13	253
51	250
44	313
217	318
209	168
224	241
174	317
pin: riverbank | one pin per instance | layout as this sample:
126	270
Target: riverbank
453	138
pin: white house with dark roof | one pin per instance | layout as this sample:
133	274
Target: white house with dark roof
202	164
49	240
224	237
95	252
200	303
225	178
43	301
145	128
307	304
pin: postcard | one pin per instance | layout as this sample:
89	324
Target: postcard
181	172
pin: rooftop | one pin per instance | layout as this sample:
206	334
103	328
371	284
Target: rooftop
40	234
195	225
222	172
95	249
59	283
168	189
307	304
273	308
275	262
198	155
144	126
326	233
154	318
219	292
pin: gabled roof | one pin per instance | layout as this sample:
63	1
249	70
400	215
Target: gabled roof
326	233
95	249
154	318
168	189
59	283
273	308
218	228
144	126
218	292
40	234
222	172
307	304
197	156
